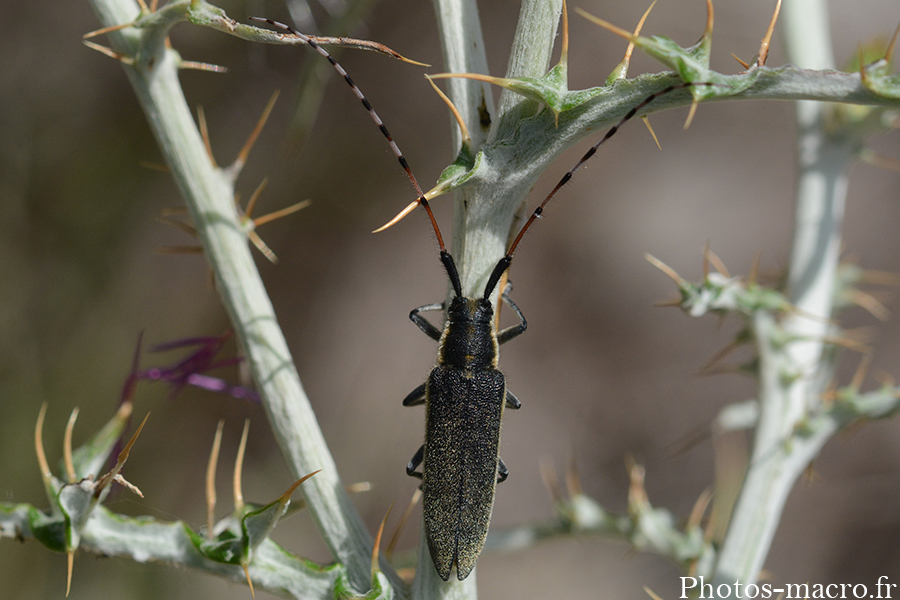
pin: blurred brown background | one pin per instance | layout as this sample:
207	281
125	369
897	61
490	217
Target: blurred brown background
601	374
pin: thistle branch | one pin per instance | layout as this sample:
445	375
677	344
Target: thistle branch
209	196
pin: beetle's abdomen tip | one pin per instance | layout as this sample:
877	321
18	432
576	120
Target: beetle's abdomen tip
443	571
463	571
445	567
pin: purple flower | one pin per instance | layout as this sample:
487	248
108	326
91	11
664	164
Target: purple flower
190	370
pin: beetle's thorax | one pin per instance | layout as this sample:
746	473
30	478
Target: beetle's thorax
469	339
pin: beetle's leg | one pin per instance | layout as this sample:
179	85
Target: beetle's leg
511	401
502	471
513	330
415	462
423	323
417	396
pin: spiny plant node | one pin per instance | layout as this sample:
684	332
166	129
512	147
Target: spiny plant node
251	224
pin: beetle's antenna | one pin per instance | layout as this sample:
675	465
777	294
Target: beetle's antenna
449	265
365	102
501	267
504	263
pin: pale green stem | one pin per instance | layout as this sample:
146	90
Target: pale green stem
489	212
478	240
793	368
463	50
209	196
462	46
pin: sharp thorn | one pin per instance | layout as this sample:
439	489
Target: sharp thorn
464	131
669	303
746	65
699	508
46	474
251	204
715	261
848	342
764	45
637	493
498	81
70	562
185	227
646	121
246	568
651	593
346	42
109	52
691	113
409	208
241	159
120	461
67	448
630	49
204	133
707	32
105	30
211	480
870	304
861	59
666	269
889	53
607	25
376	546
238	470
551	482
201	66
293	487
706	261
389	552
861	371
262	247
273	216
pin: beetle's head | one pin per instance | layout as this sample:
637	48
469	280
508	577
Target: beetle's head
473	310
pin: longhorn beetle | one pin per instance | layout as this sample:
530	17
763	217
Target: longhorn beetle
465	394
